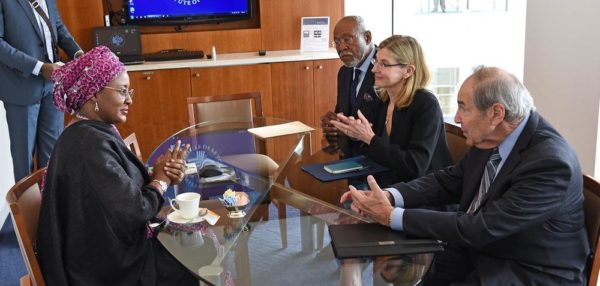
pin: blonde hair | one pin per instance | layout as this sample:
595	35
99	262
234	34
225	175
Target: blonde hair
406	50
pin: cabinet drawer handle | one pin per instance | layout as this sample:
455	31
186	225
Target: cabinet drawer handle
197	75
148	78
320	67
306	67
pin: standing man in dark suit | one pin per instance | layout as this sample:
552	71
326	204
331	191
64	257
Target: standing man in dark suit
29	38
355	80
520	219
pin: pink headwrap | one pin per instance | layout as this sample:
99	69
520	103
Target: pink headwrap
80	79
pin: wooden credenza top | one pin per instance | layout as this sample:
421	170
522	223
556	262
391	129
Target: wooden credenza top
237	59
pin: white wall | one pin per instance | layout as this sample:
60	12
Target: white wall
562	70
6	168
377	15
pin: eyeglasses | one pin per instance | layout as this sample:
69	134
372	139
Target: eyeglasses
347	40
123	92
384	65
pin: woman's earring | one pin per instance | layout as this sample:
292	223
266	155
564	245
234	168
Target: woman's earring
96	108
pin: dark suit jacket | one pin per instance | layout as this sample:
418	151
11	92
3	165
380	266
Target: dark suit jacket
417	144
368	99
22	45
531	217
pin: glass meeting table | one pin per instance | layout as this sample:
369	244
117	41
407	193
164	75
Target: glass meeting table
282	238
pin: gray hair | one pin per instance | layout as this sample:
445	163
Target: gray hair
360	27
493	85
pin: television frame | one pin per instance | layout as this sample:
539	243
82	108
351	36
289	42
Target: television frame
188	20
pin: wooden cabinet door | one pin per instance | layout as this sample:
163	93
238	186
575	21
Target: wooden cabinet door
159	106
234	79
293	99
325	90
293	96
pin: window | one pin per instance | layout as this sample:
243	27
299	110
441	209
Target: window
466	34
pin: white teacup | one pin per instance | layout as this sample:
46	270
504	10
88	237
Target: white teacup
188	204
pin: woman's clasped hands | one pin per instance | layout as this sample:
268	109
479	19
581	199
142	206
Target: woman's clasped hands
359	129
170	167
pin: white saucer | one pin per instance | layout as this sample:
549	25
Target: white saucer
176	218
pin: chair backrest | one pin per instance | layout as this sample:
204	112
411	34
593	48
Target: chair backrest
239	107
457	144
591	207
24	199
132	144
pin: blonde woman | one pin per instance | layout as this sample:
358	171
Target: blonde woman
408	135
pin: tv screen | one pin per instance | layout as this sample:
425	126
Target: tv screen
175	12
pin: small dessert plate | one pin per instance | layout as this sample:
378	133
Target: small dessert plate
174	217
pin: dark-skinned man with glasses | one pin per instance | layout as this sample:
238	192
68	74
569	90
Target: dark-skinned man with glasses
353	43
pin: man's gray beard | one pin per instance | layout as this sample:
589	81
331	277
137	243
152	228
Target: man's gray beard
353	64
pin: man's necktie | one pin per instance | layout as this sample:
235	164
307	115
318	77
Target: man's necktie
353	87
486	180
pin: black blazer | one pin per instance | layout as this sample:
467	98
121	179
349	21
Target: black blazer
417	144
368	99
531	218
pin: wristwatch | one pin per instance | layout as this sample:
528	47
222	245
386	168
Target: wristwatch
163	185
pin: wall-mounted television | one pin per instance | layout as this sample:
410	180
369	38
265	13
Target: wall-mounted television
181	12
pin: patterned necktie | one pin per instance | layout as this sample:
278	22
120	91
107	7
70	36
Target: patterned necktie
353	87
486	180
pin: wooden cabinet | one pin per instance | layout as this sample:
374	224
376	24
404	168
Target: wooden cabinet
293	91
303	91
234	79
325	89
159	106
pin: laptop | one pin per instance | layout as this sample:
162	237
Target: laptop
124	41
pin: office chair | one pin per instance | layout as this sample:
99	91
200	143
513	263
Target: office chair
239	108
132	143
25	199
456	141
591	208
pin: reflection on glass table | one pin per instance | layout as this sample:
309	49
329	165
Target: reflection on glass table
283	205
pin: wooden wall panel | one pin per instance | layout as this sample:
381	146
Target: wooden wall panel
280	24
278	28
280	20
332	8
81	17
228	41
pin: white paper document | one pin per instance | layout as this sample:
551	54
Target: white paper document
314	34
280	129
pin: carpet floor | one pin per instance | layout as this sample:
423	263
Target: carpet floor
11	261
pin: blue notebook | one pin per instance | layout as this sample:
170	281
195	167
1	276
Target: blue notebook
320	171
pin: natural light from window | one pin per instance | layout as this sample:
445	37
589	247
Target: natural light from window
467	34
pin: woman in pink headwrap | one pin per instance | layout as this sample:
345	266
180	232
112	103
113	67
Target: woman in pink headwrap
97	196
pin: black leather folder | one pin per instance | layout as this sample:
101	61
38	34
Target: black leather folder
318	171
371	240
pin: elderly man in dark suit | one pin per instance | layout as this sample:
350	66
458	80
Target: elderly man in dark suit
355	80
520	219
29	38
